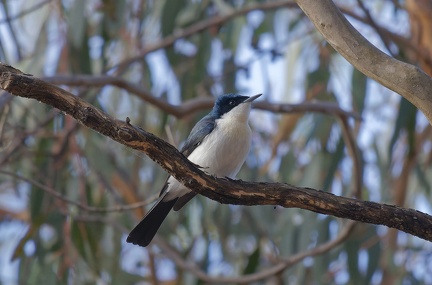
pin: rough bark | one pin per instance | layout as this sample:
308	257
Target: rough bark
222	190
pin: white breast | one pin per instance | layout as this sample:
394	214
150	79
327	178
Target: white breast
222	152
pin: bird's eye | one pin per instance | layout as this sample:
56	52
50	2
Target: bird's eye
231	102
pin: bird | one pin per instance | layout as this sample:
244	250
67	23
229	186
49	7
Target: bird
219	143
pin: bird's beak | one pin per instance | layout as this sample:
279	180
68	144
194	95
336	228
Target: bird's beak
251	98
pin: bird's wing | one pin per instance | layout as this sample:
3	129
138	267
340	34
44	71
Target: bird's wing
144	232
202	129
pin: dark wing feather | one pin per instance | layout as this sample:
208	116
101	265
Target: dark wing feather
144	232
202	129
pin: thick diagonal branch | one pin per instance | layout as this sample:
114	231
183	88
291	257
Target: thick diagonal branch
221	190
406	79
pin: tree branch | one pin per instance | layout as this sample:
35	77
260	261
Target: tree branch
406	79
24	12
84	207
222	190
201	26
282	265
194	105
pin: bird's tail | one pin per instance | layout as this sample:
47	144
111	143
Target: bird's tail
144	232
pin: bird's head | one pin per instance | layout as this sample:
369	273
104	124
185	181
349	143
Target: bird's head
233	106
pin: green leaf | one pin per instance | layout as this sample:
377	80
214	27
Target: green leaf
189	14
265	27
86	243
321	262
114	16
37	195
229	82
374	255
321	75
41	274
77	23
230	33
359	84
335	159
253	262
406	120
422	178
170	11
352	250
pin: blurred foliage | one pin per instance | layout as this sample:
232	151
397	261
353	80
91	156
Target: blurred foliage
277	52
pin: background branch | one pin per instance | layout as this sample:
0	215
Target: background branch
199	27
25	12
265	273
193	105
84	207
222	190
406	79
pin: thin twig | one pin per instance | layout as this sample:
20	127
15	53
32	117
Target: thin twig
12	32
199	27
59	196
377	29
25	12
399	40
265	273
354	152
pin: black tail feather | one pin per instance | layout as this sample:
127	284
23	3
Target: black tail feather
144	232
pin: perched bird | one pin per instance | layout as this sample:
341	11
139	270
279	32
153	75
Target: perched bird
219	143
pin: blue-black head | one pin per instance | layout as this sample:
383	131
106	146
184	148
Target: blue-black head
228	102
